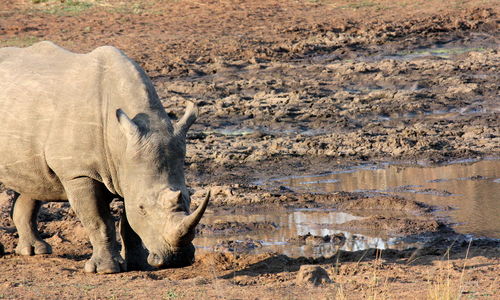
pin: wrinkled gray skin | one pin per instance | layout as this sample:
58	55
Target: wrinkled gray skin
88	128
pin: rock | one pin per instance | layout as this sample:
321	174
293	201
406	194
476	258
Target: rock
312	275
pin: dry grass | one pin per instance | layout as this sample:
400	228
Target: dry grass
18	41
446	282
444	285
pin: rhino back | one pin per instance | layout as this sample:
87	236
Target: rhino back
58	115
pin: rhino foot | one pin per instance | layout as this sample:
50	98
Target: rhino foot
33	247
105	266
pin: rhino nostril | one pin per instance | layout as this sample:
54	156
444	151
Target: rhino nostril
155	260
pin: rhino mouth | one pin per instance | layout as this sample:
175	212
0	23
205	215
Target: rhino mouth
182	256
174	259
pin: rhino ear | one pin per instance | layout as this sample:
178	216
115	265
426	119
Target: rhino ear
128	127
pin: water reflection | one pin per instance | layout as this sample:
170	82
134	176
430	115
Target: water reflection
473	188
292	224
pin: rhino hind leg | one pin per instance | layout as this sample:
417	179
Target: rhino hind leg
24	214
133	251
90	200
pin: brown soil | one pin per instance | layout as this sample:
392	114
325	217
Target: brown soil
287	87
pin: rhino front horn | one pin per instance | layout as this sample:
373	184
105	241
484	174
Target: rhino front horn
189	222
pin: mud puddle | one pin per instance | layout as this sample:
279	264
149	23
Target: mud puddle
438	51
295	232
264	130
467	192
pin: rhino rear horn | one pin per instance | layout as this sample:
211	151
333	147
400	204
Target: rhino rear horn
189	222
182	126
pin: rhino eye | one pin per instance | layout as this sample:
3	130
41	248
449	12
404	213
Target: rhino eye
142	211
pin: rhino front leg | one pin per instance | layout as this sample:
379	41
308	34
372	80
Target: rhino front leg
133	251
24	215
90	200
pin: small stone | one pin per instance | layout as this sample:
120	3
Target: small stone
312	275
201	281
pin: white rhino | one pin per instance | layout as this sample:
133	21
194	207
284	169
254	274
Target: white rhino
66	134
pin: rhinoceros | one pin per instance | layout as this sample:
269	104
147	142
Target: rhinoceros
88	128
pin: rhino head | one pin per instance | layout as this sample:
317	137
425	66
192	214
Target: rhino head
151	176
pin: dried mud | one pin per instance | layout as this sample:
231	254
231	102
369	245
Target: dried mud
288	88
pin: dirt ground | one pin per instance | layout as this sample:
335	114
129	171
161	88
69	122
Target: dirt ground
286	88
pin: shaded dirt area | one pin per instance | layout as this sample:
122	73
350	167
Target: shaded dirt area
287	88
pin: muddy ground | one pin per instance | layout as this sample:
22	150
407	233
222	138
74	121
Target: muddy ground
288	88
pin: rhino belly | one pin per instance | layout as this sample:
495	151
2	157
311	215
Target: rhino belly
23	167
51	126
28	175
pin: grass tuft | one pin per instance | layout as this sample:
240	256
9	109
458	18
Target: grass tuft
23	41
62	7
359	4
443	286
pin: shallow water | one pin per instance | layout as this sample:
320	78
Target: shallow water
291	224
242	131
471	189
443	51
